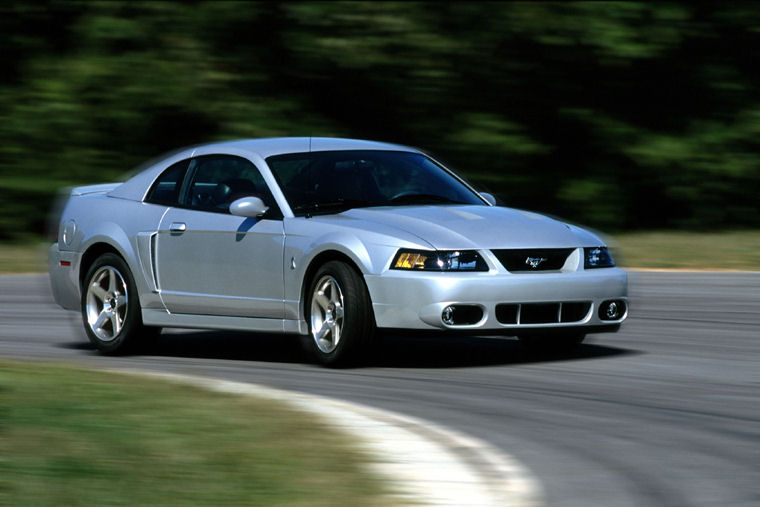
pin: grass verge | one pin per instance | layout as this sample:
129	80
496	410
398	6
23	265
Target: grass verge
23	258
738	250
76	437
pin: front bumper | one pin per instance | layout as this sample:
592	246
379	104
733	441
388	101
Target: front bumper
415	300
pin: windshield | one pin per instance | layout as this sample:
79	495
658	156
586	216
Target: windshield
334	181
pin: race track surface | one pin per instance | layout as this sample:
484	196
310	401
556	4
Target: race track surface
664	413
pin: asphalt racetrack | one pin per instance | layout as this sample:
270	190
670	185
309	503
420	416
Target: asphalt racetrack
664	413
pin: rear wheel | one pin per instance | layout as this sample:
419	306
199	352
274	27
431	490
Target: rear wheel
339	314
110	306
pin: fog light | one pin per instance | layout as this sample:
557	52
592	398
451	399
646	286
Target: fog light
612	310
447	316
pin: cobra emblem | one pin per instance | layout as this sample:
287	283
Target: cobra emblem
533	262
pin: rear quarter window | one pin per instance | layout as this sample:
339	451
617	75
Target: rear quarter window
165	190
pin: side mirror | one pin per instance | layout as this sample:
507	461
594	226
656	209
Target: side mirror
251	207
488	197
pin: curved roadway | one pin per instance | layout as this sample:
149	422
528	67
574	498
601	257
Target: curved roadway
664	413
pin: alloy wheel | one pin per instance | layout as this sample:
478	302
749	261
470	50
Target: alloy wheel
106	305
327	312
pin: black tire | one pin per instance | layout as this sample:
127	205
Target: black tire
558	342
338	311
111	311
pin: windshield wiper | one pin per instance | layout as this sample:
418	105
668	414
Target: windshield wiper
328	207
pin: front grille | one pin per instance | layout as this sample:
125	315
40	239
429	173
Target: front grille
532	260
573	312
507	314
542	313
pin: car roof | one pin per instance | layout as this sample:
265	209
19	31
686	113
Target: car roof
282	145
136	187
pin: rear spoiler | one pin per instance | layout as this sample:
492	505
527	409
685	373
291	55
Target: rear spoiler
102	188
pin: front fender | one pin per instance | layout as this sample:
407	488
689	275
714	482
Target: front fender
343	243
303	254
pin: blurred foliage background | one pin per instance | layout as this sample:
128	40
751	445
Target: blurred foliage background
622	116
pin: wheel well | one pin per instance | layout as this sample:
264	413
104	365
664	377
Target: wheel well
91	255
319	260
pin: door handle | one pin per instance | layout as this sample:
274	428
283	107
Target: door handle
177	227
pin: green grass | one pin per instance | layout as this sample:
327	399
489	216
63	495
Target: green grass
738	250
23	258
74	437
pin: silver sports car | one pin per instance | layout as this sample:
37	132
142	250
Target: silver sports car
331	239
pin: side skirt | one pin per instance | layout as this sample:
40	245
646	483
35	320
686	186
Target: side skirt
163	318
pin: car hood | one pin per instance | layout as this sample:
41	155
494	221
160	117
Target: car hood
459	227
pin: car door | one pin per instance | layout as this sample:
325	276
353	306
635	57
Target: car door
209	262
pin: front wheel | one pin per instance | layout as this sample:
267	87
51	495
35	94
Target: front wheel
339	314
110	306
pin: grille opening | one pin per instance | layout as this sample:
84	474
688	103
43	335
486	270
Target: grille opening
573	312
507	314
542	313
462	315
533	260
539	313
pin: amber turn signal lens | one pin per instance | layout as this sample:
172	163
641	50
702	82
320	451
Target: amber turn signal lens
410	260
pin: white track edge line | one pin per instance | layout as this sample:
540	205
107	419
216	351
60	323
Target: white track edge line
424	463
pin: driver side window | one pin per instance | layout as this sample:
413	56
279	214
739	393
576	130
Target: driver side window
218	180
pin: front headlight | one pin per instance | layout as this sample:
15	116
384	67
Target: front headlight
455	260
597	257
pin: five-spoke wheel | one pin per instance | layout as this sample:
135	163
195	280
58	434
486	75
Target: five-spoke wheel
326	314
110	306
106	303
339	313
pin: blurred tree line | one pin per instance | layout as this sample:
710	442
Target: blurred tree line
618	115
